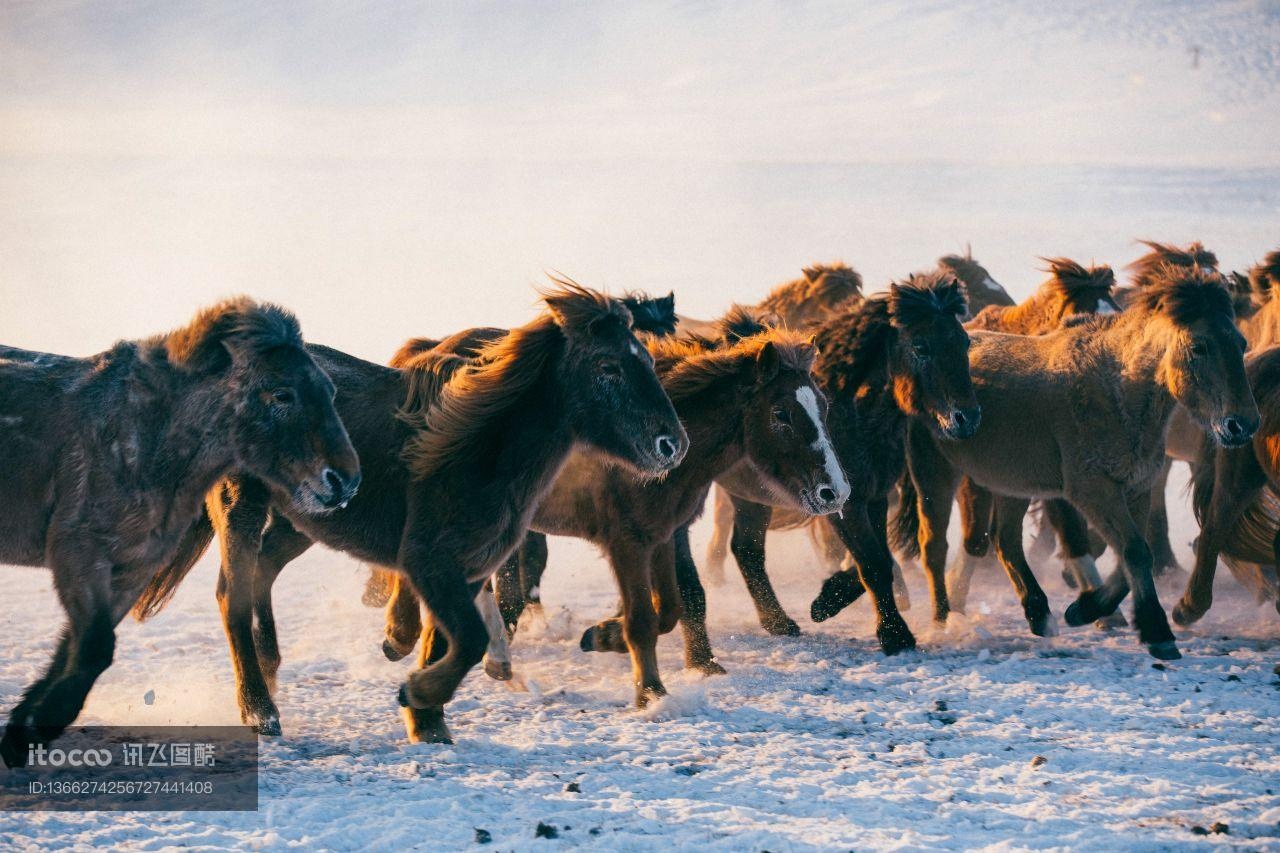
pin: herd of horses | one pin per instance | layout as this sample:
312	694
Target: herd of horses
864	417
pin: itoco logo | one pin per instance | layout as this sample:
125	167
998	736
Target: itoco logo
41	756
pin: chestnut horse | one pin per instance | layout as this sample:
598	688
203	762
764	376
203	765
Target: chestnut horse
109	459
457	457
1081	414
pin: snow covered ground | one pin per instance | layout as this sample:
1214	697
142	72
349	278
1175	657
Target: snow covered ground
396	170
984	737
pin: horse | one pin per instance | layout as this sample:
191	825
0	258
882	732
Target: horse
1233	492
457	456
753	402
738	517
797	303
1101	392
1071	290
894	358
109	458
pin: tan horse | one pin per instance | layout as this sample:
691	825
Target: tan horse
1071	290
1081	414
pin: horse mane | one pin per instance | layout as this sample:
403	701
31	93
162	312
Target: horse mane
1264	277
860	339
450	400
1185	294
687	369
1148	268
1070	278
741	321
255	328
653	315
821	285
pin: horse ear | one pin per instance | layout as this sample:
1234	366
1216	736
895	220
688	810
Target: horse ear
768	363
812	274
669	301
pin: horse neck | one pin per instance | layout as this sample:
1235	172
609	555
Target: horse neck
190	424
1138	347
713	421
537	428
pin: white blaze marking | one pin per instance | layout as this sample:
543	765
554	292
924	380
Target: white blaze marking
635	350
809	402
990	284
1105	308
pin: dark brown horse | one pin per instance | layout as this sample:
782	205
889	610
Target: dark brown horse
456	458
887	361
983	293
1081	414
752	403
108	460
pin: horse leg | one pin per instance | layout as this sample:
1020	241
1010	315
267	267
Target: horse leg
497	658
378	587
440	581
1235	487
533	563
631	562
509	588
1077	551
750	526
976	513
722	514
404	621
20	730
866	540
1009	513
238	511
1158	524
936	482
281	544
1121	519
697	645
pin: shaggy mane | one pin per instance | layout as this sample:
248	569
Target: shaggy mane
653	315
253	326
924	296
686	368
1264	277
451	400
1185	294
741	322
1071	278
1148	268
822	285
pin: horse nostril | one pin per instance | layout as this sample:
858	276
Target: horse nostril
826	494
666	447
960	418
1234	427
334	482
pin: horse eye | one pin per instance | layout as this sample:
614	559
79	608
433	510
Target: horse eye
283	396
611	368
921	350
782	416
1198	348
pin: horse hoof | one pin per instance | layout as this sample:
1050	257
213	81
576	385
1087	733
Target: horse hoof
426	727
13	748
649	694
402	696
498	670
392	652
588	641
707	667
1085	609
783	626
1185	615
895	638
267	726
838	592
1044	626
1166	650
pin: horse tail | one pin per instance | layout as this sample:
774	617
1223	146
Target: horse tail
904	531
166	581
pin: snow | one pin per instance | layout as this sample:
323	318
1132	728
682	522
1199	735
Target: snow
814	742
391	173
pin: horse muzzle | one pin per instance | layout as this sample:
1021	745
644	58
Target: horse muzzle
961	423
1234	430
